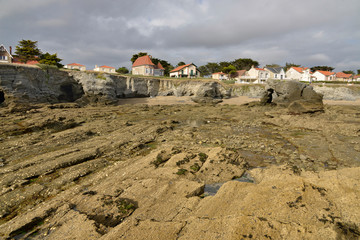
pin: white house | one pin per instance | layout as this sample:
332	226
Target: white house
219	76
104	68
259	74
74	66
188	70
5	56
275	72
324	76
299	73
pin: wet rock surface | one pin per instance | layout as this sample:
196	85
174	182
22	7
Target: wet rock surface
142	172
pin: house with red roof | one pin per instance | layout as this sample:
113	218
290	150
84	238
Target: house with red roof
299	73
324	76
340	76
75	66
5	56
356	78
104	68
219	76
257	75
144	66
188	70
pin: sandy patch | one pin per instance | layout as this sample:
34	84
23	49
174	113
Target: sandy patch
172	100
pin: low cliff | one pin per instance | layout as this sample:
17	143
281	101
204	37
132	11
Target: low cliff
21	83
33	84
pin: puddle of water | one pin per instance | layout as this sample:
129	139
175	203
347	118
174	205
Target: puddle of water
212	189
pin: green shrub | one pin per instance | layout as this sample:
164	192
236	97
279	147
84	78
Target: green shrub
195	167
202	157
181	171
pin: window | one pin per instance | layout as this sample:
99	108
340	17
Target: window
3	58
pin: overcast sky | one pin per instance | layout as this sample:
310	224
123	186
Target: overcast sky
109	32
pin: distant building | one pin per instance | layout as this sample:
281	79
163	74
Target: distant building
275	72
144	66
356	78
5	56
74	66
104	68
219	76
340	76
187	71
323	76
242	76
299	73
259	75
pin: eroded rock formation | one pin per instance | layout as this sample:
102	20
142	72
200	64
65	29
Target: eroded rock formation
296	96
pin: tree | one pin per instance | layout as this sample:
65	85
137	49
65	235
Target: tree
358	71
229	70
322	68
50	59
27	50
204	71
181	64
136	56
122	70
289	65
349	72
224	64
213	67
244	63
273	65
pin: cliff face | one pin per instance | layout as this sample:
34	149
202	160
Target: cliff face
32	84
20	83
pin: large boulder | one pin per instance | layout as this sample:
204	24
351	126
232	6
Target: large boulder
208	93
296	96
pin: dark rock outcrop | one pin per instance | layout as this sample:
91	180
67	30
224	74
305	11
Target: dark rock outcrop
296	96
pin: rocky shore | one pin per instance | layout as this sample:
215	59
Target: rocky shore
80	169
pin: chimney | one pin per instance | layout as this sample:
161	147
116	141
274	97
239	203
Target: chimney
150	56
10	48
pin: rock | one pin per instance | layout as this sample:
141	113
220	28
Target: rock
298	97
206	100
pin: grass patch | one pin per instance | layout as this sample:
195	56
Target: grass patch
202	157
229	81
100	76
195	167
181	171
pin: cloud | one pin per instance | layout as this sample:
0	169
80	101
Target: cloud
196	31
320	57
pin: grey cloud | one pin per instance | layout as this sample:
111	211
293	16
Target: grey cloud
109	32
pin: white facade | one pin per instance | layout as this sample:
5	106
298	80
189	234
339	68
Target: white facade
75	66
219	76
188	71
299	73
276	72
261	75
106	69
323	76
5	56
